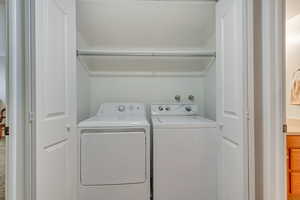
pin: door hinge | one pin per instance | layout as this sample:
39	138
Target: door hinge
284	128
6	130
31	117
247	115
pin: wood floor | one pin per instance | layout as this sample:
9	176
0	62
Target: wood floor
2	169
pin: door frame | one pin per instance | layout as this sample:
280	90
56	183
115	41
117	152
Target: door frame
18	176
30	100
250	85
15	181
273	100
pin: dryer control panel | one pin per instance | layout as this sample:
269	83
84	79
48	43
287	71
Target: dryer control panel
122	108
174	109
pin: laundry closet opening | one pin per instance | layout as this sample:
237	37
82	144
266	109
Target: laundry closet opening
137	54
144	99
146	51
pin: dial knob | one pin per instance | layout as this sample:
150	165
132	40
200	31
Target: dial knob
160	108
177	98
188	108
121	108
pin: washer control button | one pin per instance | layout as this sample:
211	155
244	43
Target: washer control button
168	108
160	108
121	108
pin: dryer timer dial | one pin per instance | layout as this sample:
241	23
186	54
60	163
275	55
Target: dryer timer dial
121	108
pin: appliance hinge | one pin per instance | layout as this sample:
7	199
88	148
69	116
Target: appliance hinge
284	128
30	117
6	131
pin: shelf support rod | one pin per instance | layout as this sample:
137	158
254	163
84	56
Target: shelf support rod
165	53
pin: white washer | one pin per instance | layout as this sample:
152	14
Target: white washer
185	148
115	153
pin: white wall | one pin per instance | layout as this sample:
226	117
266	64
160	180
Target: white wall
95	90
144	89
292	62
2	53
83	92
210	84
2	79
210	93
2	29
147	25
292	8
83	84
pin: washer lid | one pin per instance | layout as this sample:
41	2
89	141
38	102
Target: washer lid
114	120
194	121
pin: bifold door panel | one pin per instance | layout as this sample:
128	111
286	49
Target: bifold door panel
231	106
54	86
113	158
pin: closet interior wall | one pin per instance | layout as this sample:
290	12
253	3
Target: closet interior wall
151	26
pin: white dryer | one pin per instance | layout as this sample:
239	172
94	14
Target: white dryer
115	153
185	148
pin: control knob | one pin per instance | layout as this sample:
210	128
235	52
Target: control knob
188	108
121	108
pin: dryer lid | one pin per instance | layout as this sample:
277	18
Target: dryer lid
114	120
117	114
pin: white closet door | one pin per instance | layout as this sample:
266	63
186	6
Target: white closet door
231	105
54	80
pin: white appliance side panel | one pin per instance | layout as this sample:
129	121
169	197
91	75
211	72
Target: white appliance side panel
113	158
185	164
83	92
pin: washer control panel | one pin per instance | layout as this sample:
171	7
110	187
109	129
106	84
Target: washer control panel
121	108
174	109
